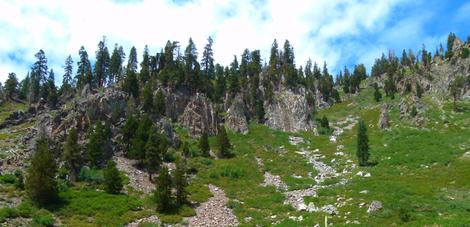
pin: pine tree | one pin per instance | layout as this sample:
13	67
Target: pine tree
377	94
112	179
186	149
192	67
131	84
154	152
204	144
101	64
11	86
274	61
233	79
84	75
362	144
456	89
346	80
225	148
24	87
98	144
163	190
260	111
115	64
72	155
450	43
139	141
39	73
148	98
160	103
41	184
419	90
207	63
145	66
128	131
180	181
51	91
324	123
67	80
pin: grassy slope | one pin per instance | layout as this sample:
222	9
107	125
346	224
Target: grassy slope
419	176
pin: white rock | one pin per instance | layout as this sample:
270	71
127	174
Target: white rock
364	192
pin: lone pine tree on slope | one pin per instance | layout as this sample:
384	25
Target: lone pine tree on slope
362	144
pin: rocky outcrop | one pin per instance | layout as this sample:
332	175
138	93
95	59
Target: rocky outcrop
384	118
236	118
199	116
175	102
289	111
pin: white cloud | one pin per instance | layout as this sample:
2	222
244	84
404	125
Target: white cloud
312	27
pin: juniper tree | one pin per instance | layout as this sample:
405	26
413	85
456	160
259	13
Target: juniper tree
225	148
204	144
72	155
362	144
41	184
112	179
163	190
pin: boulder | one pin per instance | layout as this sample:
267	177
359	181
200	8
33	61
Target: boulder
86	91
384	118
289	111
235	118
374	206
199	116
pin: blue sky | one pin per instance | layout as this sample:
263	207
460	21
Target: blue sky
340	32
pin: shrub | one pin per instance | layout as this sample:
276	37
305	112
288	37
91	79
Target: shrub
7	212
43	218
8	179
94	176
26	209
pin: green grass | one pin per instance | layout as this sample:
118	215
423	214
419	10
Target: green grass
88	207
420	175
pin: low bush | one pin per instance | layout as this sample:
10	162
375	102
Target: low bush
43	218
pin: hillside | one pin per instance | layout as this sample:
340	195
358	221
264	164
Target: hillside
282	164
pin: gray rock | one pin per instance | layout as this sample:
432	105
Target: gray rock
86	91
235	118
330	209
374	206
289	111
384	118
199	116
175	102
